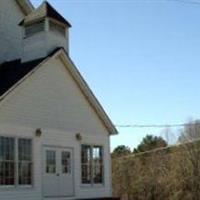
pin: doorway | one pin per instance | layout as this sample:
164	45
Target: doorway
58	169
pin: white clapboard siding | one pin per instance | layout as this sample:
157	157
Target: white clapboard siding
52	101
10	31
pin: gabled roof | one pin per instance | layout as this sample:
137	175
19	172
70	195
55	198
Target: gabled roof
26	6
12	74
87	92
44	10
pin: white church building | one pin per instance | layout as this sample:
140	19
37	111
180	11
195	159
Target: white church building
54	134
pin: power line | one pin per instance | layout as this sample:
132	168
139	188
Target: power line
192	2
156	125
186	1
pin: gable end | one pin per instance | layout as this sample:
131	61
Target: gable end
85	89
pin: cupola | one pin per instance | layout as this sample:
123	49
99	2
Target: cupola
44	30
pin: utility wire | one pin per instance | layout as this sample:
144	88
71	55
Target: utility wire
155	125
197	2
185	1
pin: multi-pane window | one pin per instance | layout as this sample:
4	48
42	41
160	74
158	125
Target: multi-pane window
97	164
86	163
25	161
7	161
66	162
15	161
51	161
92	164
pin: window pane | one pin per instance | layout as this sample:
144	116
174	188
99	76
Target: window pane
50	161
86	164
97	164
25	149
7	166
86	174
98	173
7	148
66	162
25	173
25	161
97	154
86	154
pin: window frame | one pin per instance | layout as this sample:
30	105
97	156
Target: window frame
16	184
100	164
68	165
92	183
13	161
50	160
24	161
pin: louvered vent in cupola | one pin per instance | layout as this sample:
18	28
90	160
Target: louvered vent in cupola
34	28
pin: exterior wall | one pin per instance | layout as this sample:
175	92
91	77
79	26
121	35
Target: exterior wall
34	47
51	100
68	139
21	193
10	32
55	40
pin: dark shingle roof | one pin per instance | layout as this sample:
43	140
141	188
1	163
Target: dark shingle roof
51	12
11	72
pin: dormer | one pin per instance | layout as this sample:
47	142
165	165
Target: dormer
44	30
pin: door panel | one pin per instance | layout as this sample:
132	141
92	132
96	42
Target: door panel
50	178
58	172
66	176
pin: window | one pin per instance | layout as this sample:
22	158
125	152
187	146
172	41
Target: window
15	170
7	161
24	161
66	162
86	164
34	28
51	162
92	164
97	164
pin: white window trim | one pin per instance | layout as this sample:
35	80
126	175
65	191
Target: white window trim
92	184
16	161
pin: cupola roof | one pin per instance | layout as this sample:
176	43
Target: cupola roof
43	11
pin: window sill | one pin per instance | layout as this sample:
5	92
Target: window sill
24	187
91	186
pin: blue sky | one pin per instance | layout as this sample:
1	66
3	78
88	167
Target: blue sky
140	57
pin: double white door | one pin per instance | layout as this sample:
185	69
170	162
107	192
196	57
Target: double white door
58	172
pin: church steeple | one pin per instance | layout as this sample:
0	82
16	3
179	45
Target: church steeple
44	30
